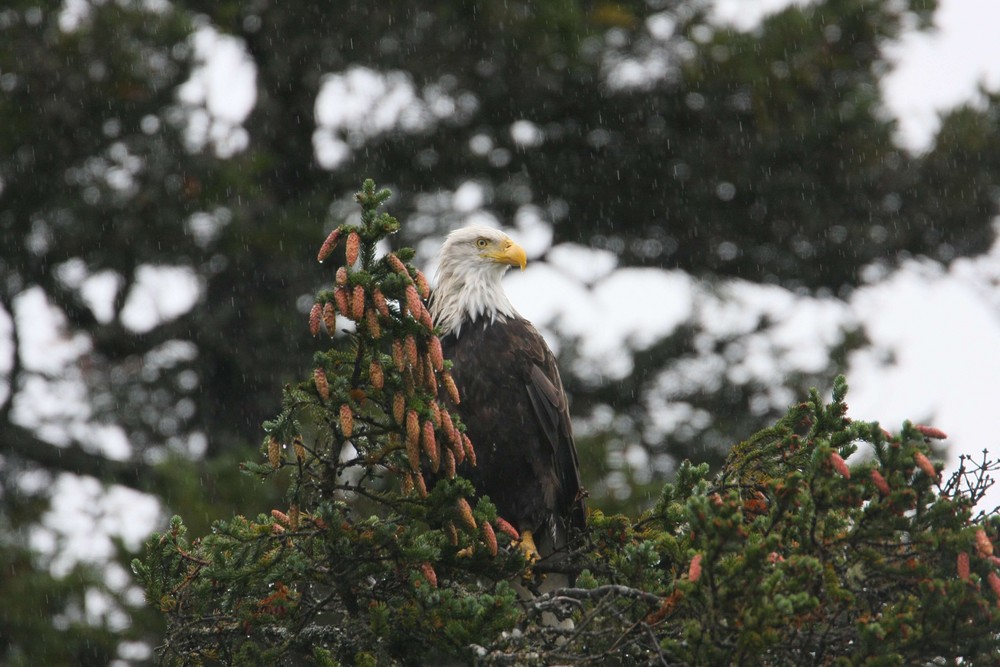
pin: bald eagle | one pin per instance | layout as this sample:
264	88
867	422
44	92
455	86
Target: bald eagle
512	399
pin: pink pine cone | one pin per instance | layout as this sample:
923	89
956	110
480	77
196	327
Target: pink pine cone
840	465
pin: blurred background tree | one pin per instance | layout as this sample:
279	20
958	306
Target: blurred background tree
635	128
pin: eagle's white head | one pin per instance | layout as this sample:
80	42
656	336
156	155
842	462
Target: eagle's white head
472	262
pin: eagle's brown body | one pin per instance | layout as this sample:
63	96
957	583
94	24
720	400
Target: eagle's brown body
517	417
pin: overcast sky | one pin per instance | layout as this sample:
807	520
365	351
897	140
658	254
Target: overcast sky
936	70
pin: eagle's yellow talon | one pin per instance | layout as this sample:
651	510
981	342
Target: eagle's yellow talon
527	545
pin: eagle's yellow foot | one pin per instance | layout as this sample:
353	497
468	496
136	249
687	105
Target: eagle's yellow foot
528	547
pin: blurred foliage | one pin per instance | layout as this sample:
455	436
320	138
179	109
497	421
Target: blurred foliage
637	127
787	556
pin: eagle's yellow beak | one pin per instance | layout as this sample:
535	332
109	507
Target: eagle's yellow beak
510	253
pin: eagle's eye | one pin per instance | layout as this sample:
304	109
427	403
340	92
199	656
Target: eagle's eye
481	243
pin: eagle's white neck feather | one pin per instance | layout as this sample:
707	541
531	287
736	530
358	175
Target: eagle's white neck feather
468	289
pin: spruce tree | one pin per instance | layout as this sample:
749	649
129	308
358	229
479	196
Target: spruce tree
381	554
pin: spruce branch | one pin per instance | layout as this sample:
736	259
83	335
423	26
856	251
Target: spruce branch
795	552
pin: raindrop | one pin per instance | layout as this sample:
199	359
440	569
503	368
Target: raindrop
686	50
648	248
187	380
837	233
681	171
759	404
388	45
892	202
112	128
426	158
558	209
803	247
599	138
33	15
526	134
695	101
702	33
741	101
8	81
251	23
725	191
656	124
486	68
661	26
173	183
616	38
149	124
727	251
97	70
669	245
499	157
